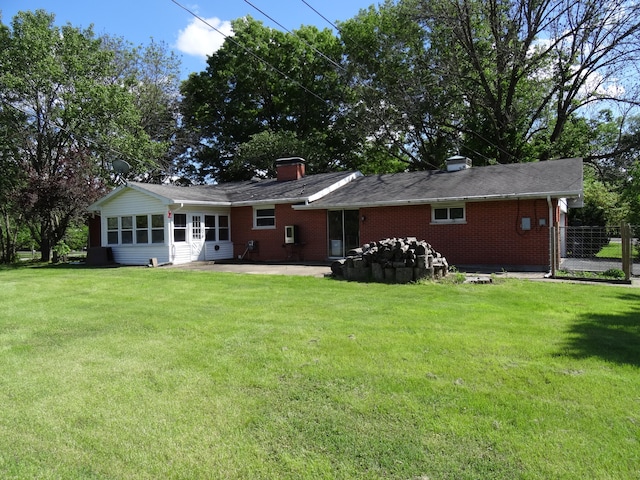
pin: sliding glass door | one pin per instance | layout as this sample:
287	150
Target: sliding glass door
344	231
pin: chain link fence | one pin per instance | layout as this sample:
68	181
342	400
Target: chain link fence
596	249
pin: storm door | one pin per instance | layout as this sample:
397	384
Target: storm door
344	231
197	238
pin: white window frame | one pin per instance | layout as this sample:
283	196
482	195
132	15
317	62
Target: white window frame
449	207
259	208
180	227
132	229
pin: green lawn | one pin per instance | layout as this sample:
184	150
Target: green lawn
135	373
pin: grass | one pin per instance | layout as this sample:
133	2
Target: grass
161	373
614	250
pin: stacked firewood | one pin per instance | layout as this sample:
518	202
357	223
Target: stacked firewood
392	260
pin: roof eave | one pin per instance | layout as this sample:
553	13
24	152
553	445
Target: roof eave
427	201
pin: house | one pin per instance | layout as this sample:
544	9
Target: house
497	215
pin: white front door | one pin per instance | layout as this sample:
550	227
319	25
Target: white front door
197	238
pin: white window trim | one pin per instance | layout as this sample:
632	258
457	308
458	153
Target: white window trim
448	220
218	228
255	217
149	229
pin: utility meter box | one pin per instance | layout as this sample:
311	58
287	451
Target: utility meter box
291	234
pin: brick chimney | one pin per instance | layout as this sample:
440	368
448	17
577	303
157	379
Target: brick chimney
290	168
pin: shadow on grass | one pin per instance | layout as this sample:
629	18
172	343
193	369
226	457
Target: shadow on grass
612	337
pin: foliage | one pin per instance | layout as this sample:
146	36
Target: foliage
271	88
153	71
59	90
306	378
502	81
400	102
602	206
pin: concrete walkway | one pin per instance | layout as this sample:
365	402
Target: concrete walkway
325	270
260	268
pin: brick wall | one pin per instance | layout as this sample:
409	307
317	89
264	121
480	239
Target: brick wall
312	227
491	235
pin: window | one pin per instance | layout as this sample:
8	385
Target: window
448	214
210	228
142	229
126	230
180	227
264	217
223	227
157	228
112	230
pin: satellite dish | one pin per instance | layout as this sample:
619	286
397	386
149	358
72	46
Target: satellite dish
121	167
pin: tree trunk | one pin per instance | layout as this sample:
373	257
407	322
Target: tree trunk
45	250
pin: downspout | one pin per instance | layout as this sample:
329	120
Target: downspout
552	241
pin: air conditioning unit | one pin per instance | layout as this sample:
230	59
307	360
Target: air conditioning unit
291	234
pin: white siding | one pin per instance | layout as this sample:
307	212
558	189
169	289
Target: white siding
140	254
131	203
225	252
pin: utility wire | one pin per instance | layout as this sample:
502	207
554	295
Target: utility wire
254	55
331	61
320	15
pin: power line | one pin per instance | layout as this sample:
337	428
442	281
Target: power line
331	61
254	55
320	15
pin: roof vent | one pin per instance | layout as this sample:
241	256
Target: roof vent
292	168
458	162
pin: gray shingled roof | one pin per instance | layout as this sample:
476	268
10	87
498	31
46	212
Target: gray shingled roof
249	192
557	178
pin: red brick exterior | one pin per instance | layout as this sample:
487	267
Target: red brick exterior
492	234
312	225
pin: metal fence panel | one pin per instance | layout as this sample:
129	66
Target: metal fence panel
595	249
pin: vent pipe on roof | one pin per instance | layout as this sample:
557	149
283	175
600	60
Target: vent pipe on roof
292	168
458	162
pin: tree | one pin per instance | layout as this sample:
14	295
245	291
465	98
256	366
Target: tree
58	99
263	81
153	71
499	80
400	104
525	68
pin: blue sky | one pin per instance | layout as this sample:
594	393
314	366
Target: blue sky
140	20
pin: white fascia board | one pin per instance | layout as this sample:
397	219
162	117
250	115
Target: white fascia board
334	187
198	203
428	201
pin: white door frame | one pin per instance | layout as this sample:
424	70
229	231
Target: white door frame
196	236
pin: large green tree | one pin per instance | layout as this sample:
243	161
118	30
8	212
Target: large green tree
64	120
153	73
274	85
497	80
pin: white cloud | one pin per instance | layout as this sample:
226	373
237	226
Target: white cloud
200	40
